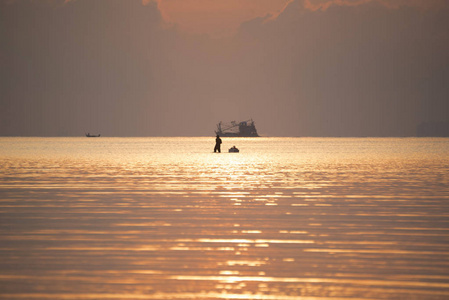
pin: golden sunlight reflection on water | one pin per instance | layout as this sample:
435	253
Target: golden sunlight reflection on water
166	218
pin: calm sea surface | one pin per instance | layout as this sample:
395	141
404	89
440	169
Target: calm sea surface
166	218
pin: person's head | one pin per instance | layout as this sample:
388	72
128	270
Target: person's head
218	136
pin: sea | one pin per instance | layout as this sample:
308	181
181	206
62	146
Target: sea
167	218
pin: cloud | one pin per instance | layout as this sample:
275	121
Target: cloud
220	18
395	4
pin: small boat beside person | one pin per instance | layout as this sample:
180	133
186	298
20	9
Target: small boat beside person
234	149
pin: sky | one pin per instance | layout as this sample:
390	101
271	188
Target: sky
178	67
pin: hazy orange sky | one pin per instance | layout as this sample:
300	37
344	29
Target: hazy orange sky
216	17
178	67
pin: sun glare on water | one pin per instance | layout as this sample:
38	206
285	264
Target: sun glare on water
166	218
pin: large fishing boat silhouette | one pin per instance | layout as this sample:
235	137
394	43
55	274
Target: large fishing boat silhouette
237	129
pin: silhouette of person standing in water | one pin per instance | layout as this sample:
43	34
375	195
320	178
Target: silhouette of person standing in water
217	144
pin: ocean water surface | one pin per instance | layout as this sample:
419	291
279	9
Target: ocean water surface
166	218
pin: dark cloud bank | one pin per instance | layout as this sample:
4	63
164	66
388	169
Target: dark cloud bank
110	66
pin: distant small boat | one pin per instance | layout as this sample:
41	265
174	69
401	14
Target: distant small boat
233	149
92	135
